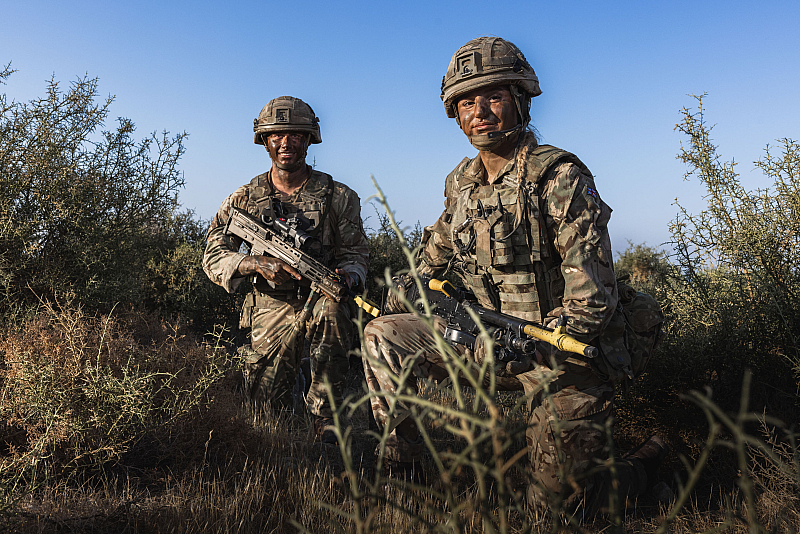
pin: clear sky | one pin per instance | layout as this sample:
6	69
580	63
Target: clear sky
614	77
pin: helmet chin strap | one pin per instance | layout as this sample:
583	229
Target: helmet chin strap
492	140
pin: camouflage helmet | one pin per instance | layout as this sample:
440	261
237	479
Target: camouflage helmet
286	114
489	61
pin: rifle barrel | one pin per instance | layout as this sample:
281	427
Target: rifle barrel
557	338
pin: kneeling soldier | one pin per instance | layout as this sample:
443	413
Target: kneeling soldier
526	231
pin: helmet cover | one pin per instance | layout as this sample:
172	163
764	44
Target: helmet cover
286	114
487	61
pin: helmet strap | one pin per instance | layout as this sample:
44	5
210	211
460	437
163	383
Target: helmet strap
523	103
492	140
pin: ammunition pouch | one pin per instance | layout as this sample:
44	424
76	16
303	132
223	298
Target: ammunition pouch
246	316
633	334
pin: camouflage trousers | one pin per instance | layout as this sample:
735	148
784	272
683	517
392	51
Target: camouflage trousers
569	417
270	371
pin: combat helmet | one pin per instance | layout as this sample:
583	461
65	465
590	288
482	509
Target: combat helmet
490	61
286	113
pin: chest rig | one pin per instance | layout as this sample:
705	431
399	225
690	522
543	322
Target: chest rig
310	205
500	239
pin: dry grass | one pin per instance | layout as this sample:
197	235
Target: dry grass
194	459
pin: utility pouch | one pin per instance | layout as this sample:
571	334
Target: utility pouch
246	317
502	243
643	325
483	242
631	336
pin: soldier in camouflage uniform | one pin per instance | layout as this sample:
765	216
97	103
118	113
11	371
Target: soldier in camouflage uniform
331	212
526	230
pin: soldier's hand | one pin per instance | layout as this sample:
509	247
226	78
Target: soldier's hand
273	269
394	303
348	279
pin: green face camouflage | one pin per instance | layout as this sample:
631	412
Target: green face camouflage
286	114
489	61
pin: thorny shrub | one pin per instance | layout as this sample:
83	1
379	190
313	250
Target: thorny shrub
386	251
735	304
79	391
94	212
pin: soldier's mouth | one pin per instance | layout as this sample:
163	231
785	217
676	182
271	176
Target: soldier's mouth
486	126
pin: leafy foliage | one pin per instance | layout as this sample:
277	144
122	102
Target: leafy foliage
386	251
92	215
735	305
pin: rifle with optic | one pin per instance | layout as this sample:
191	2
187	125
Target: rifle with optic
282	238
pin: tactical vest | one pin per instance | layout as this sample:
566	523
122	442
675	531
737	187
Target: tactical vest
500	238
311	206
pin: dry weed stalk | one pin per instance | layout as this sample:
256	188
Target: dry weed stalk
81	391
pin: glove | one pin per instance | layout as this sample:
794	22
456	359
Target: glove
272	269
521	364
394	302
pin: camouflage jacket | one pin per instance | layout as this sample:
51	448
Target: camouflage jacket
534	244
343	239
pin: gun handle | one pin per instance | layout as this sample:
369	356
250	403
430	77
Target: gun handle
444	286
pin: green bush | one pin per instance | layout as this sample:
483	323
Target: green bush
92	215
734	305
386	251
174	283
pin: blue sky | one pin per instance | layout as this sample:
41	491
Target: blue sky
614	77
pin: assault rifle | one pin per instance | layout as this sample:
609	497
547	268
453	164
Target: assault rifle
282	238
514	338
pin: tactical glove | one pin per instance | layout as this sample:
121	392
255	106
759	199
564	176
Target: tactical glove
394	302
521	364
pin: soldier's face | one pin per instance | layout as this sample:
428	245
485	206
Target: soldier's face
487	109
287	149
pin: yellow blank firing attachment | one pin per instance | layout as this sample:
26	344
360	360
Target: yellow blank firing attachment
561	340
369	307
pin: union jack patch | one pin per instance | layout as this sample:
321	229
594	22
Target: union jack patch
592	193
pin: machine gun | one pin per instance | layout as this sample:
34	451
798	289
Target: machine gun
283	238
514	338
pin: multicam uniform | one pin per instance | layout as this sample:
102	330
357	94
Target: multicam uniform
533	245
332	210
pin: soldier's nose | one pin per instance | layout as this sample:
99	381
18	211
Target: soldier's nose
481	107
